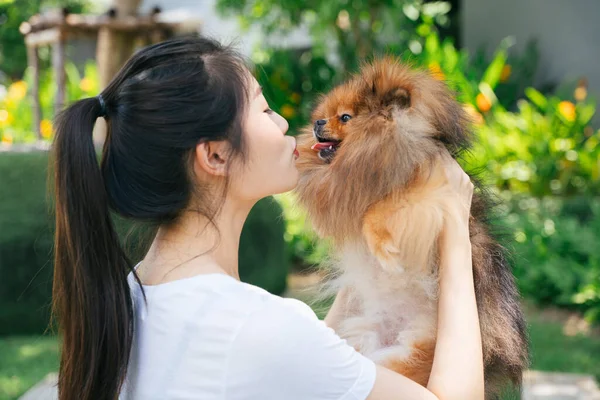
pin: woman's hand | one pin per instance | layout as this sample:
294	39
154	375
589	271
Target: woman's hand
456	227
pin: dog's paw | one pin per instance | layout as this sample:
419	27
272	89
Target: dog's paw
380	243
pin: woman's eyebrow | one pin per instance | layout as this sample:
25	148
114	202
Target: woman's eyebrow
258	91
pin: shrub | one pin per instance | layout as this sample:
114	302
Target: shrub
546	147
554	247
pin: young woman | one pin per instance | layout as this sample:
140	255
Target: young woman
192	145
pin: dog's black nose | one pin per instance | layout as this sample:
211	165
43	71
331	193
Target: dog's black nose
320	122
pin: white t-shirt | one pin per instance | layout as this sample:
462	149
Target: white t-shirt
213	337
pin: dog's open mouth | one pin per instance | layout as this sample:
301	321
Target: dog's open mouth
326	148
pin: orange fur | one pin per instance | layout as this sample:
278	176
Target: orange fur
381	197
418	365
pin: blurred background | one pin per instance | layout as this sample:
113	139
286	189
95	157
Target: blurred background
525	70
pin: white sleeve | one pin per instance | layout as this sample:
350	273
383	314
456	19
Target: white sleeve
282	352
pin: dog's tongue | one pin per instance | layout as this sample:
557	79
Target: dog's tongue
323	145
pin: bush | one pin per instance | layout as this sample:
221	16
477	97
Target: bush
16	105
262	258
554	247
26	245
546	147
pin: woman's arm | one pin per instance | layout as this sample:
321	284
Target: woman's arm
339	309
457	372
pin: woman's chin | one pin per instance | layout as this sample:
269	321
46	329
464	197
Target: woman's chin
291	183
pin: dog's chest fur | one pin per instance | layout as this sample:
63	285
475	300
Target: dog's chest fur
392	311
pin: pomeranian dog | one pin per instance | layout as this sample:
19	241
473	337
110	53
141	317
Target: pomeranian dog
371	181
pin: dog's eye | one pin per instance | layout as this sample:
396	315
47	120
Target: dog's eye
345	118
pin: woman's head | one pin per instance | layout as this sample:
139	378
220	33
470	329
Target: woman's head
186	127
184	118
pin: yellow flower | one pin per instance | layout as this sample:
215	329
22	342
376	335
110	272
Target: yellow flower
483	103
567	110
46	128
505	74
87	85
295	97
7	138
4	116
287	111
17	90
436	71
580	93
475	116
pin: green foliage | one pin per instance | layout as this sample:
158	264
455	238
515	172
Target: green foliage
26	244
291	80
262	255
546	147
554	246
353	30
305	248
13	54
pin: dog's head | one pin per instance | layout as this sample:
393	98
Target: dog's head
371	135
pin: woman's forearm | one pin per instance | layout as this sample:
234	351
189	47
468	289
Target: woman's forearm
457	371
338	309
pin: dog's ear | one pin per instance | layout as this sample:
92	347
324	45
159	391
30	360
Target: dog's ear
452	123
399	97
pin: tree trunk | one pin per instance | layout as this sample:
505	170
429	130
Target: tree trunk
113	49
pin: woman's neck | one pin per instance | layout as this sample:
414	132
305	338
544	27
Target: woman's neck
195	246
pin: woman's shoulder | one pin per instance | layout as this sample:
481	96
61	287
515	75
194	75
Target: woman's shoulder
283	350
213	295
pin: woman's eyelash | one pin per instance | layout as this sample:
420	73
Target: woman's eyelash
268	111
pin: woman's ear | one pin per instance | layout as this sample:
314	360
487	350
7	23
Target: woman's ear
212	157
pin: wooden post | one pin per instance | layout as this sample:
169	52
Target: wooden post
58	64
34	63
113	48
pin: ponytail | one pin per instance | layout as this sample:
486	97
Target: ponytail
91	297
164	101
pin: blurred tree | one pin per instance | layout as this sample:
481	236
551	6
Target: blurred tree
115	47
13	54
352	30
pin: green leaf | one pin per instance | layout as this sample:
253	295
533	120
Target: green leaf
585	113
493	72
423	30
450	55
432	44
537	98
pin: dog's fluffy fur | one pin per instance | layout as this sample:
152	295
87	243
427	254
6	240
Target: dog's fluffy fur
375	187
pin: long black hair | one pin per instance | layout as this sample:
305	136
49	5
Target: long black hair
168	98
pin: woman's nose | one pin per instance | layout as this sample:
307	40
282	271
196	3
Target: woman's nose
282	123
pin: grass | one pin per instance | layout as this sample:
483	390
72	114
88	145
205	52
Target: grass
551	350
25	360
